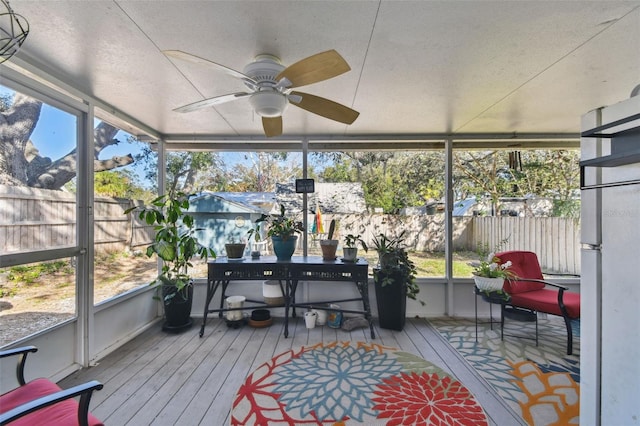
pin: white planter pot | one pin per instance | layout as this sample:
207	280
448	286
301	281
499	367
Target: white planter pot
310	319
488	284
350	254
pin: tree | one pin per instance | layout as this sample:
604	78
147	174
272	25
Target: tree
261	171
481	174
552	174
391	180
186	172
119	183
20	161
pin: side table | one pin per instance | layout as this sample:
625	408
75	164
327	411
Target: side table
493	298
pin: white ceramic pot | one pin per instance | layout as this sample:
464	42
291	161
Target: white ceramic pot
488	284
350	254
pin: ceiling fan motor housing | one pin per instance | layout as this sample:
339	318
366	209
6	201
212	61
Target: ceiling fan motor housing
264	69
267	100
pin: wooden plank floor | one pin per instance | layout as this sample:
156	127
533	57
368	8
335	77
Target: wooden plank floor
198	378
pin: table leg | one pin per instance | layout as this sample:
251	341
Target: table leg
211	290
363	289
223	296
476	310
289	290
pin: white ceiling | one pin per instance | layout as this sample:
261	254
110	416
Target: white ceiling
417	66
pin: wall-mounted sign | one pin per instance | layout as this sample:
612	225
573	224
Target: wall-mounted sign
305	185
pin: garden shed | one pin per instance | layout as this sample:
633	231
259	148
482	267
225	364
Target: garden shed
222	219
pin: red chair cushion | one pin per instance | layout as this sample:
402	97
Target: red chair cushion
546	300
61	414
524	264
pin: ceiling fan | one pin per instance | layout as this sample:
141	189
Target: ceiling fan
270	87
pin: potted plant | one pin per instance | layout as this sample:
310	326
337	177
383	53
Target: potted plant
489	276
175	243
395	280
350	249
282	230
235	249
329	246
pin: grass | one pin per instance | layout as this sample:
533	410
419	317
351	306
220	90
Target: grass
432	264
428	264
30	274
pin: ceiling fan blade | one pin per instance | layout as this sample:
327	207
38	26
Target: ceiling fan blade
272	126
179	54
212	101
325	107
319	67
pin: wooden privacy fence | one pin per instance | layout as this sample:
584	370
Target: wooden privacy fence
556	240
37	219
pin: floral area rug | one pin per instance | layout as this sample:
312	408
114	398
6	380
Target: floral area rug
349	383
541	383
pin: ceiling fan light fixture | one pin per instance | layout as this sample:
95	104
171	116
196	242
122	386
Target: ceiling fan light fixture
268	103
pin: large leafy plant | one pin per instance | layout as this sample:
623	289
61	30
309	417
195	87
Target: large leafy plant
174	242
278	225
395	266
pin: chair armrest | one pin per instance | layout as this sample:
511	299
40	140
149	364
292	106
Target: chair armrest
84	390
533	280
22	352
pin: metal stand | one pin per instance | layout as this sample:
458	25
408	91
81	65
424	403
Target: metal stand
491	298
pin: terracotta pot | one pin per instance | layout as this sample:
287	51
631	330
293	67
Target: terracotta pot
329	248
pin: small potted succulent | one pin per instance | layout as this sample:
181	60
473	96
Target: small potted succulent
350	249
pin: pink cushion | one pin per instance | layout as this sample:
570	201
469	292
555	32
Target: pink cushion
61	414
524	264
547	301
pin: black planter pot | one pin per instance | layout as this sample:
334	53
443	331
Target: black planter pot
177	311
391	300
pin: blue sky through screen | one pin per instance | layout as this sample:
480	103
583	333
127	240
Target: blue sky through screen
55	136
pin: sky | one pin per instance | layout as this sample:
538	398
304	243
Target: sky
55	133
55	136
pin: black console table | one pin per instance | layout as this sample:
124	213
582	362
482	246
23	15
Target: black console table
222	271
